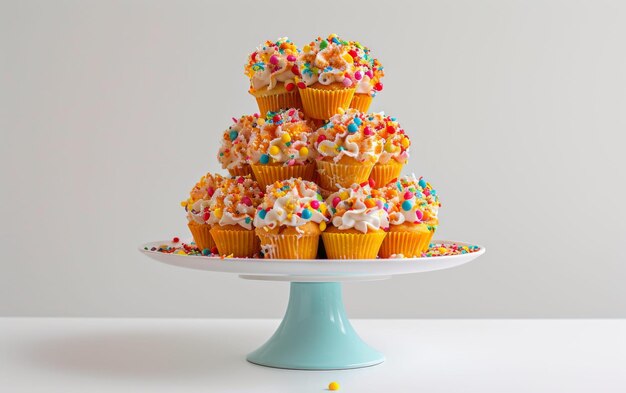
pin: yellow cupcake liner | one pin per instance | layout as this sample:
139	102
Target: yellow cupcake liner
409	244
361	102
241	171
331	174
268	174
281	246
384	173
201	235
238	242
323	104
352	245
275	102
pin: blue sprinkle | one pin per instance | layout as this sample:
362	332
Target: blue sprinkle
306	214
248	220
233	135
407	205
264	159
422	183
352	128
357	121
206	252
262	214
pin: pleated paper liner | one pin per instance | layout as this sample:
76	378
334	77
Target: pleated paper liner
323	104
241	171
201	235
267	174
340	245
280	246
361	102
275	102
384	173
235	240
409	244
344	175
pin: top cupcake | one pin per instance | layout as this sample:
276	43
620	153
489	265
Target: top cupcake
327	61
235	202
282	138
199	202
359	207
272	63
291	203
412	201
368	71
233	152
348	135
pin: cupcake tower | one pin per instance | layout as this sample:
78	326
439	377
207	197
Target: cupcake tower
313	164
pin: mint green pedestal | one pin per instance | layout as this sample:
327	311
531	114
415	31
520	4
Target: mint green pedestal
315	333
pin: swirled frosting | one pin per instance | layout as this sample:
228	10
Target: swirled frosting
272	63
235	202
282	138
368	71
411	200
326	61
348	134
293	202
358	207
233	152
395	140
198	204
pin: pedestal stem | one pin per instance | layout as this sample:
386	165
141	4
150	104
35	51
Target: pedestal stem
315	333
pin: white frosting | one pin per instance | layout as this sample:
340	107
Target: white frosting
270	74
196	213
328	66
358	216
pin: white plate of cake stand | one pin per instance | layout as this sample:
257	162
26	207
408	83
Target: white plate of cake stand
315	333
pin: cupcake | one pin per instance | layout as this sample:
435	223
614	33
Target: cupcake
272	69
395	152
367	75
290	220
358	224
197	207
231	214
347	149
279	150
233	152
326	77
410	226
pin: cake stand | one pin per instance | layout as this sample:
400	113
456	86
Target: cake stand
315	333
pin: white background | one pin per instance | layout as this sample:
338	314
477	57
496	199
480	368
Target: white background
110	111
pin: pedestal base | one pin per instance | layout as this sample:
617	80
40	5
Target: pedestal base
315	333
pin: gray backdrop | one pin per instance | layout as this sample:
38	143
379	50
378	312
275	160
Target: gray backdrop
112	110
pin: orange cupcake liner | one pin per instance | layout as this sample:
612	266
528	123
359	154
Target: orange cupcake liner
409	244
323	104
361	102
244	170
352	245
331	174
384	173
268	174
275	102
238	242
281	246
201	235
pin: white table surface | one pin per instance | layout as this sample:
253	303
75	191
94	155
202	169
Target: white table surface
200	355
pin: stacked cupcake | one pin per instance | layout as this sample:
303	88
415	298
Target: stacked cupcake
314	164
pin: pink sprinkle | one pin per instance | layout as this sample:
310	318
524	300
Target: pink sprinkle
291	112
246	201
315	204
291	162
408	195
426	192
234	120
369	73
274	60
240	180
291	58
336	201
380	204
358	75
419	214
347	82
368	131
210	191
